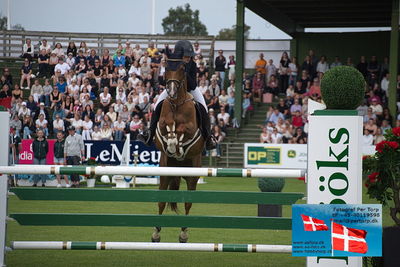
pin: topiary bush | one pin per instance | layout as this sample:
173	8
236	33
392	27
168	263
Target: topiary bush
342	87
271	184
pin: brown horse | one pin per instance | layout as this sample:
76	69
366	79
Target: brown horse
178	137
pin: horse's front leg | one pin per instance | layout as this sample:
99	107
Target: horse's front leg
191	186
156	237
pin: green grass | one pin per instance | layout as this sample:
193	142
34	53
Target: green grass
153	258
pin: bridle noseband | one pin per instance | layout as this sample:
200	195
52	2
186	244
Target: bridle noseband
178	84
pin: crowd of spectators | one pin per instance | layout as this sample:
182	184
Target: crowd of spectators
105	96
292	85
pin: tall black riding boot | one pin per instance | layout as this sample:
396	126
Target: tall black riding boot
148	135
206	128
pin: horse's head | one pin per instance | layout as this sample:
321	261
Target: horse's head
175	77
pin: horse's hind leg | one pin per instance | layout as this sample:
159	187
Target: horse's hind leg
156	237
191	186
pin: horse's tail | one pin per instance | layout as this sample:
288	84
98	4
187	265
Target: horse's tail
174	183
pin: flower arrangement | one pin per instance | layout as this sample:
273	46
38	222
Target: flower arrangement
383	169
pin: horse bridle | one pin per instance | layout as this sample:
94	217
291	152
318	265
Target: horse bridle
178	83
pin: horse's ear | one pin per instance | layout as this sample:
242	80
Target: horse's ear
182	67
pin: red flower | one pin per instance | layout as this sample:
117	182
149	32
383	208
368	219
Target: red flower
373	177
393	144
396	131
366	157
382	145
366	185
92	158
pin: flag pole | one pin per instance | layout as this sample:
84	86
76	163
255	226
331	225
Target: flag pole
331	237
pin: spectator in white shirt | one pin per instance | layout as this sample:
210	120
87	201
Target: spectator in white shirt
322	66
112	114
87	125
385	83
275	137
223	99
105	99
202	87
96	134
133	81
58	125
271	69
45	46
62	66
58	50
106	132
142	94
73	89
41	123
368	138
224	116
121	95
135	68
23	111
119	128
137	52
77	123
118	106
28	50
70	60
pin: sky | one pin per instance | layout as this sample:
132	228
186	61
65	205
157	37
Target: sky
134	16
127	16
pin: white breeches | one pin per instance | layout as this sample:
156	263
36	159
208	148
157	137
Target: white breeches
197	95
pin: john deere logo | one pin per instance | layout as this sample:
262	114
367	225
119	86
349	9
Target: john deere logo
291	154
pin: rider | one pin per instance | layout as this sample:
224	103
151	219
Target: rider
184	50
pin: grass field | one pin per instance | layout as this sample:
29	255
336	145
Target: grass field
153	258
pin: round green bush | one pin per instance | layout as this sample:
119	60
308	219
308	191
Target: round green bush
343	87
271	184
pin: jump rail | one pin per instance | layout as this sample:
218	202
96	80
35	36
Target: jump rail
128	195
146	171
210	247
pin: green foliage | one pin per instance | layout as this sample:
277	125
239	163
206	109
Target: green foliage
271	184
230	33
383	181
183	21
3	25
343	87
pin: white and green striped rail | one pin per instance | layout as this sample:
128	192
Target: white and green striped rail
148	171
209	247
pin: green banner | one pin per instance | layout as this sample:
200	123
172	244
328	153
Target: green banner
263	155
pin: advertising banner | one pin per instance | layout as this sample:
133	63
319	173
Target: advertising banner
280	156
334	167
337	230
107	152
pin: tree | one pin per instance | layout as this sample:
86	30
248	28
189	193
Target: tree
3	25
183	21
230	33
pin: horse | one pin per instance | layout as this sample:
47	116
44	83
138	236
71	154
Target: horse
178	137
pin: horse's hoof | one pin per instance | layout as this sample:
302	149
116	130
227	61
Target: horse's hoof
155	240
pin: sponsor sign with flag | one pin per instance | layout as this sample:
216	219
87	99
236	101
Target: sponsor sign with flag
336	230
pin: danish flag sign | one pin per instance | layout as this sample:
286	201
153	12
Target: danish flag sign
313	224
348	239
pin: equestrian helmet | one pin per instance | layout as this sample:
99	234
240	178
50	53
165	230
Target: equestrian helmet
183	48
